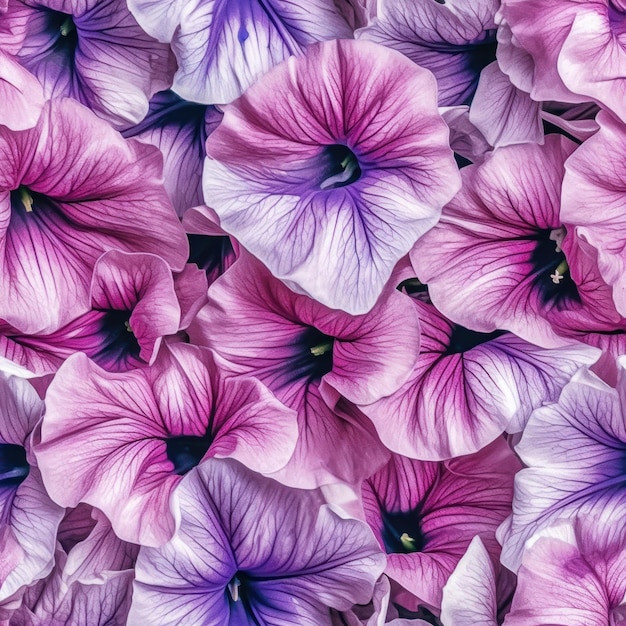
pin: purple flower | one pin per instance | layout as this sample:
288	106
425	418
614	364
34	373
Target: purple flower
28	518
338	159
310	356
90	50
455	41
134	304
248	550
222	47
575	453
594	191
122	442
468	387
70	189
573	574
179	130
425	514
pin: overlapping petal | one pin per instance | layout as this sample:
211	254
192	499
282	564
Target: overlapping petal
222	47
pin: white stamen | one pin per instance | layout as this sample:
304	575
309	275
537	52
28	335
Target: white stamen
557	235
556	277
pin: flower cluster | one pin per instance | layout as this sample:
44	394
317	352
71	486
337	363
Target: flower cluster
312	312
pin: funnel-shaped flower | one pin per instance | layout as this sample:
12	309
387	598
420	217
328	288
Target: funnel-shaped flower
122	442
338	159
248	550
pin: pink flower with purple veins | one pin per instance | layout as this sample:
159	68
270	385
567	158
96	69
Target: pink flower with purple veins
425	514
314	359
573	574
122	442
135	303
90	50
71	189
501	257
337	160
248	550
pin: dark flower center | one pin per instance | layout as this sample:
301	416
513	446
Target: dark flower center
117	343
313	357
462	339
186	451
401	532
14	467
210	253
340	167
61	32
550	271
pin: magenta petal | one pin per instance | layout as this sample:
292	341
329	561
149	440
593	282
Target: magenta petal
425	514
126	439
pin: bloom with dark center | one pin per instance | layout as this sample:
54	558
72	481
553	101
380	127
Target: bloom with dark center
310	356
248	550
28	518
133	305
425	514
122	442
468	387
501	259
91	50
338	159
455	41
63	203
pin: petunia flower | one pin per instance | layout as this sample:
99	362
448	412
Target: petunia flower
467	388
425	514
566	50
179	130
135	302
573	574
501	257
70	189
454	40
91	582
336	160
28	518
90	50
248	550
574	452
122	442
223	47
314	359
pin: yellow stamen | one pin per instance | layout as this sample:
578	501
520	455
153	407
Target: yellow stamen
67	27
321	349
27	199
408	543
